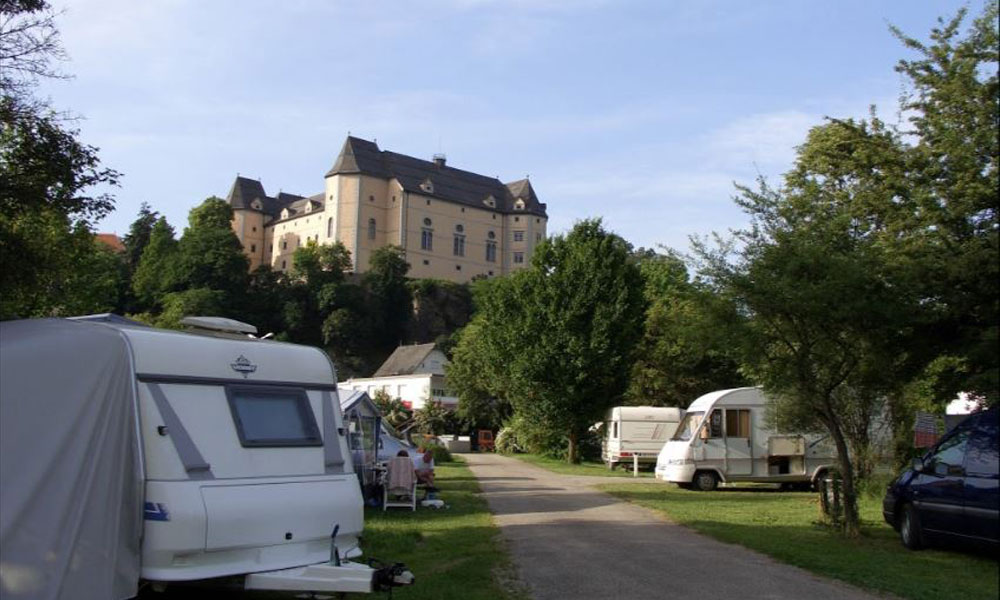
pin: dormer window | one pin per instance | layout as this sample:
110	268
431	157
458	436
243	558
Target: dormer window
256	205
490	201
309	207
519	205
427	186
284	213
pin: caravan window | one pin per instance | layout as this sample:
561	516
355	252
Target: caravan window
737	423
688	426
271	417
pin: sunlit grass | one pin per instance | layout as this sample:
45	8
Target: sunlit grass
787	526
584	468
455	552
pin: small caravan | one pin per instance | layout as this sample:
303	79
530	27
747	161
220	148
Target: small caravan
724	437
137	454
637	433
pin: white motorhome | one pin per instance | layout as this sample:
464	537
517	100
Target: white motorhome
131	453
637	433
725	437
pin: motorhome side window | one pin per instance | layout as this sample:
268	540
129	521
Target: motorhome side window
272	417
738	422
715	424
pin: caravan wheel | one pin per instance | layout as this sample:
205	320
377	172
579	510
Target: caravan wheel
705	481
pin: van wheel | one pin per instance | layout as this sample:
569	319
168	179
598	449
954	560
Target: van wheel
705	481
821	475
909	528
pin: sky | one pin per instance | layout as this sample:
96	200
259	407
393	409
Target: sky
643	113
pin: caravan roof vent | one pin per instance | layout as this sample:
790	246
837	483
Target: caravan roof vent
219	324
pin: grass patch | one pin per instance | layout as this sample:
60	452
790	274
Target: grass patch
785	525
598	469
455	552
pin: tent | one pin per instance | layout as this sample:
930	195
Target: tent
71	495
362	419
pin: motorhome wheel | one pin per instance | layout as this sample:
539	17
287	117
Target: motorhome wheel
705	481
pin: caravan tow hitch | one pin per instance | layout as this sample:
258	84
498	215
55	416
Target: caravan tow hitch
390	576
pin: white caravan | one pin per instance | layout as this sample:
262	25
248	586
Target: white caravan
724	437
136	454
637	433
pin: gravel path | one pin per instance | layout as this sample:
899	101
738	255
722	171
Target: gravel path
569	540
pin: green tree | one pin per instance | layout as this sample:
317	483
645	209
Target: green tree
210	256
153	276
682	355
386	281
393	410
137	238
559	336
432	418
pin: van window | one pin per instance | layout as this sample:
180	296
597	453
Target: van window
715	424
983	457
272	417
950	455
687	427
738	423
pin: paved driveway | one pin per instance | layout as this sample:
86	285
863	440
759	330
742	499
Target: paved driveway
570	541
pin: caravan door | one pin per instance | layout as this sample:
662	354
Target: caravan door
739	447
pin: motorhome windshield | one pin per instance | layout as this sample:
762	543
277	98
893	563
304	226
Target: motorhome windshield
687	427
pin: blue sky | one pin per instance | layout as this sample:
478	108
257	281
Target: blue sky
644	113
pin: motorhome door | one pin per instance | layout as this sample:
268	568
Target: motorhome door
739	449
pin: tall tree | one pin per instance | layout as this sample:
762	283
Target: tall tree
210	256
681	355
153	275
386	281
561	334
29	44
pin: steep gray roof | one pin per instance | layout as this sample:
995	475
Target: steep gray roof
363	157
404	360
245	191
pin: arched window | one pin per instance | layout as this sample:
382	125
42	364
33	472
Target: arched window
371	229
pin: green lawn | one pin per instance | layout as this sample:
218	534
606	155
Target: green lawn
454	552
584	468
785	525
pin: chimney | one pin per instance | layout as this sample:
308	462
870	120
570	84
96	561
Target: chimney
439	160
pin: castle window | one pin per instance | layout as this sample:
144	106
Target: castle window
394	199
427	222
491	235
519	236
491	251
538	237
428	203
283	265
518	258
538	220
371	198
494	217
459	228
254	228
427	262
371	229
329	227
253	247
458	267
427	240
490	273
284	245
458	247
517	219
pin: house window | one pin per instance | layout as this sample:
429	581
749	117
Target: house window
518	258
329	227
518	236
458	247
427	239
491	251
371	229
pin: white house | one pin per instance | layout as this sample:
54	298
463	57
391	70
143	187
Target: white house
414	374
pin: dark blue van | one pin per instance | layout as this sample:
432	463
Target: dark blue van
952	491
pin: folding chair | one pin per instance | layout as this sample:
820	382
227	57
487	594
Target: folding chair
399	484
